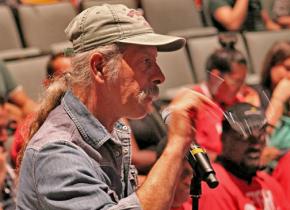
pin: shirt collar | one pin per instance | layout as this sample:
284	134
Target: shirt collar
90	128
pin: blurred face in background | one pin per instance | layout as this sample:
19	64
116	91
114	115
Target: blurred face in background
60	65
245	151
280	71
226	86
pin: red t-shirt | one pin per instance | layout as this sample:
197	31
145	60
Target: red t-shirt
232	193
209	123
281	173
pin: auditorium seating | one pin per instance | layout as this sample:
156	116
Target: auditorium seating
175	17
88	3
44	25
30	73
10	42
177	70
259	43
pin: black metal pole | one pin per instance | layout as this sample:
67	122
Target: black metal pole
195	191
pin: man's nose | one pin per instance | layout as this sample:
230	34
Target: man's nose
158	76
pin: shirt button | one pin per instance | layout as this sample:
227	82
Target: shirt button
125	151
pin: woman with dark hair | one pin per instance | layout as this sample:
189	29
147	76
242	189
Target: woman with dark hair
275	83
225	85
276	67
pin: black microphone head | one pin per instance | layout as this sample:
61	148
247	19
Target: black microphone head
211	180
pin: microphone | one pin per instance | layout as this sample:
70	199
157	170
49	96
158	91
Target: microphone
197	158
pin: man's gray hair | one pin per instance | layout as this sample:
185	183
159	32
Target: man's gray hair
77	80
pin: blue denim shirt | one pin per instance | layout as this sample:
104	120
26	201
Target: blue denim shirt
74	163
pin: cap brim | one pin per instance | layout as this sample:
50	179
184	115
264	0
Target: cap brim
164	43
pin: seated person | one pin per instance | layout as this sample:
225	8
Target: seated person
281	12
225	85
242	184
240	15
19	104
274	92
56	66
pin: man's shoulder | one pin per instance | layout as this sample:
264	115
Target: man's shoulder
57	127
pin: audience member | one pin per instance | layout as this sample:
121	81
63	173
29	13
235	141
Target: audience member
275	85
57	65
79	153
19	104
281	12
240	15
227	70
7	175
242	185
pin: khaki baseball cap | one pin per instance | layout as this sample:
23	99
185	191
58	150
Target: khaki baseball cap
101	25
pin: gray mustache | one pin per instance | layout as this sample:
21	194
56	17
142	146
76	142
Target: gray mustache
152	92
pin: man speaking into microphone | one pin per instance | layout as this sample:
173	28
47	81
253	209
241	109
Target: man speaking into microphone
77	154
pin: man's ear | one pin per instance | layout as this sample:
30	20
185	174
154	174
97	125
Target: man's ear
97	65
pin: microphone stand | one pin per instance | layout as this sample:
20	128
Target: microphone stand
200	163
195	191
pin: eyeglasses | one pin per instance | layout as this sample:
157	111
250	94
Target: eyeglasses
233	82
261	136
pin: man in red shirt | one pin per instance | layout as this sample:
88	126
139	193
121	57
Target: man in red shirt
226	72
242	185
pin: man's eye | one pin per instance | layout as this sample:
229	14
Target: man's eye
148	62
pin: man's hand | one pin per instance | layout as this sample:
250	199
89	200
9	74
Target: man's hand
183	110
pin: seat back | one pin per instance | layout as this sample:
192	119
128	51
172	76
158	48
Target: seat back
10	38
165	16
89	3
30	73
43	25
260	42
177	71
